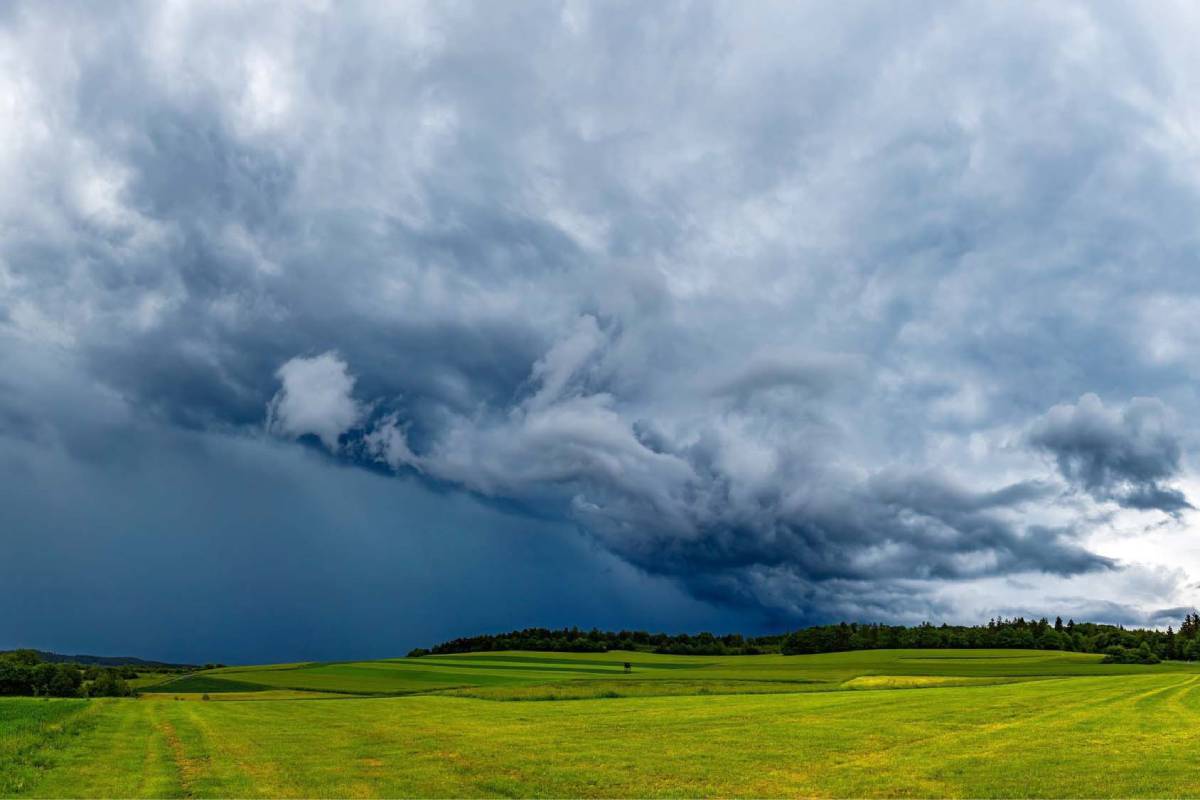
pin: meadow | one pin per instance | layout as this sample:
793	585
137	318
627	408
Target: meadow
943	723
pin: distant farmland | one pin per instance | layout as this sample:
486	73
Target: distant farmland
871	723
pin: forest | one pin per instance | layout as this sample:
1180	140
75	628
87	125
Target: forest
1117	643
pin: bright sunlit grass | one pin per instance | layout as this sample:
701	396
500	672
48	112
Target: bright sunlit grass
881	723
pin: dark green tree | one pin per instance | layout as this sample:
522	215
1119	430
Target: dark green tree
109	684
63	680
24	657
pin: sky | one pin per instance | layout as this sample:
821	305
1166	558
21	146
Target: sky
331	330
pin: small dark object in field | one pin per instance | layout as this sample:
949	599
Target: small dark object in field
205	697
628	667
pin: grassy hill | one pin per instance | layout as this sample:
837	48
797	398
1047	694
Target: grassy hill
869	723
528	674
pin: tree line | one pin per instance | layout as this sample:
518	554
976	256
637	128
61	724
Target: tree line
574	640
23	672
1117	643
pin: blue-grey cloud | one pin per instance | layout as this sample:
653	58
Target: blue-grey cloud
1116	454
764	303
199	548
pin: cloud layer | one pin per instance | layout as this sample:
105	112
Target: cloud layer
1116	454
814	311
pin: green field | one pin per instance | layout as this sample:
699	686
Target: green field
875	723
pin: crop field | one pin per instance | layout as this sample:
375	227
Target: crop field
873	723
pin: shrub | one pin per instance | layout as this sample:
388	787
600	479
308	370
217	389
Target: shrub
109	683
1115	654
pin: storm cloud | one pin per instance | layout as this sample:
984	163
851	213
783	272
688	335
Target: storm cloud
1116	454
813	311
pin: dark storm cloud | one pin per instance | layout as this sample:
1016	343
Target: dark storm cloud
1116	454
761	302
686	510
235	550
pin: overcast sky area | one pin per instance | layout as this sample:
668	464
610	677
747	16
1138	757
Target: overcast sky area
327	331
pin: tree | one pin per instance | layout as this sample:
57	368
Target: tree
15	678
109	683
43	674
64	680
1145	655
1051	640
24	657
1115	654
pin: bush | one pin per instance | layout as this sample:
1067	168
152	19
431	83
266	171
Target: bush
1116	654
66	682
109	683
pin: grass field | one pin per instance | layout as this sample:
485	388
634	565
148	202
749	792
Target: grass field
507	672
877	723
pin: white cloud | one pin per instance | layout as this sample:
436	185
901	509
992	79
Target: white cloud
316	398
